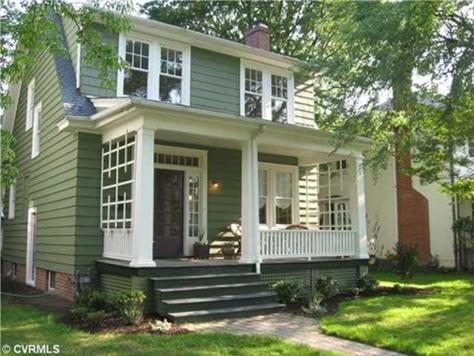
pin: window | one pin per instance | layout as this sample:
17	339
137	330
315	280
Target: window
158	69
283	198
262	191
171	75
333	200
51	280
253	93
266	94
13	271
193	203
11	201
279	99
277	198
30	105
35	140
136	77
118	159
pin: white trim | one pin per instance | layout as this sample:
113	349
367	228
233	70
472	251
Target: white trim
154	58
201	171
35	139
30	105
271	169
50	273
30	275
78	65
267	72
362	247
12	201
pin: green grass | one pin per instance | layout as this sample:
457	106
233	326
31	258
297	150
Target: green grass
441	323
25	325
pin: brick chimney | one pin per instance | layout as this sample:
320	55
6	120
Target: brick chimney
258	36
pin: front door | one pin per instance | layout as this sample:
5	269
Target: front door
169	213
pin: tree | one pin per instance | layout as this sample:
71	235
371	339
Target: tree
292	23
28	27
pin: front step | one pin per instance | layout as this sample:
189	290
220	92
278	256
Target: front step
217	294
219	302
211	314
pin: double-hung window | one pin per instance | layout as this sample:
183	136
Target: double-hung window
30	105
35	141
137	55
157	70
266	94
277	195
253	92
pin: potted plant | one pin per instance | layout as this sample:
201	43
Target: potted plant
201	248
228	250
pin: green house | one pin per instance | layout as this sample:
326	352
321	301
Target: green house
201	139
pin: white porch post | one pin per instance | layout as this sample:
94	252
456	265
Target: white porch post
250	222
362	247
142	244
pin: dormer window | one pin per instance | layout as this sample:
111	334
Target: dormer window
266	93
158	70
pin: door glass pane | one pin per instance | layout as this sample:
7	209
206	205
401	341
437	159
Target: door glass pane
193	197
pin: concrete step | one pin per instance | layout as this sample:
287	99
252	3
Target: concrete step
207	279
218	302
232	312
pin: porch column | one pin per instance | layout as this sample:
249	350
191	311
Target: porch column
362	247
142	244
250	222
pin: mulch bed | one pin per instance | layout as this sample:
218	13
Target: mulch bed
112	323
332	303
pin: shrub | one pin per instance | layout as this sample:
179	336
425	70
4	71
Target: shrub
130	304
93	317
432	264
92	299
404	259
314	307
326	287
397	288
160	326
287	291
365	283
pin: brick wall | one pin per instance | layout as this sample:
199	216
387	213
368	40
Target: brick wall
64	286
413	216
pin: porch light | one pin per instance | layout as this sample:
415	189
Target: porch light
215	184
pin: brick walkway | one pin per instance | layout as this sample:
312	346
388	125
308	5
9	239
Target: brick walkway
293	328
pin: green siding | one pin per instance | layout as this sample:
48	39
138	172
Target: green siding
215	81
89	237
47	181
91	84
70	30
111	284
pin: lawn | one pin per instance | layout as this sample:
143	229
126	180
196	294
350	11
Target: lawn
25	325
441	323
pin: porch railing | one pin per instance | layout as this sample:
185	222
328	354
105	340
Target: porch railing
307	243
118	244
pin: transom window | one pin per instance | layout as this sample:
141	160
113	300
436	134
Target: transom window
333	196
136	77
266	95
277	197
156	70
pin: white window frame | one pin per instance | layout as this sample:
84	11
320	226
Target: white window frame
50	273
271	169
154	60
12	201
267	72
30	105
32	227
200	171
35	139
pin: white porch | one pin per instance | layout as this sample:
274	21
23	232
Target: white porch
130	134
